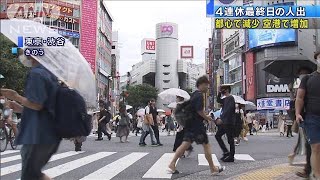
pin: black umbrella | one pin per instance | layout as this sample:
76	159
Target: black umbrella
288	66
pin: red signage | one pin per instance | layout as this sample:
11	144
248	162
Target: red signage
89	34
150	45
250	77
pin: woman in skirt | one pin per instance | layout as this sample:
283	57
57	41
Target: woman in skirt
123	129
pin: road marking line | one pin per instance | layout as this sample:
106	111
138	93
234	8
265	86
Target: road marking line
159	169
9	152
17	167
111	170
11	158
203	161
243	157
69	166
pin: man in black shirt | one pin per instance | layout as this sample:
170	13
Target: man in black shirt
227	123
104	119
195	130
152	109
308	98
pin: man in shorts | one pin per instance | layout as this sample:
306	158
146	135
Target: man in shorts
308	98
195	130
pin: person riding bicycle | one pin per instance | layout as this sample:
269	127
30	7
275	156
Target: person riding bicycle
10	118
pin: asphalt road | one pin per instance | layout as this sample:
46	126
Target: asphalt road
118	161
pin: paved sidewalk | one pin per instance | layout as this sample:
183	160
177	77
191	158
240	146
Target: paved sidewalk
277	172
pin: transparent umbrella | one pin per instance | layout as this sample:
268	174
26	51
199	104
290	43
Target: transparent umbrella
170	95
65	62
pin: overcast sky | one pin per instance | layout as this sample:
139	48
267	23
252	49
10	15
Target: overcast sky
136	20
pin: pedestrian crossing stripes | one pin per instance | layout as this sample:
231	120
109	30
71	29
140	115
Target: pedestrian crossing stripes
159	169
61	164
111	170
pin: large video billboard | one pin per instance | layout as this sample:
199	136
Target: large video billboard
270	37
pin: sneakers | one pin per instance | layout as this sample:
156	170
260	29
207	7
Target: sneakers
142	144
159	144
225	155
154	145
228	159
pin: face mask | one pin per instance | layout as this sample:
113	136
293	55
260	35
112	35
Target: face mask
25	61
301	76
2	101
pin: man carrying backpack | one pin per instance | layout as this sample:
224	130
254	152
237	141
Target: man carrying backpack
308	98
195	130
37	130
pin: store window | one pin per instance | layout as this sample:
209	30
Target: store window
76	12
76	27
69	26
55	23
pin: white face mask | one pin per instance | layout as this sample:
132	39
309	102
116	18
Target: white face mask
2	101
25	61
301	76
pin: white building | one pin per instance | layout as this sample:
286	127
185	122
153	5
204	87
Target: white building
115	57
161	66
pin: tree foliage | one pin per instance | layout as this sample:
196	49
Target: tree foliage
13	71
140	95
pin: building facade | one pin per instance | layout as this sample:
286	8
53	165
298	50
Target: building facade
64	15
97	32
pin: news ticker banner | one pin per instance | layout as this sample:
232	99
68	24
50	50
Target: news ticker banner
264	17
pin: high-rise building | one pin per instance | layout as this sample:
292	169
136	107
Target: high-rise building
167	56
96	21
161	66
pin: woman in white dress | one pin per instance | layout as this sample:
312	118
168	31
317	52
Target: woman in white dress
281	120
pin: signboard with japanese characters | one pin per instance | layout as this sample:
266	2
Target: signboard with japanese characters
273	103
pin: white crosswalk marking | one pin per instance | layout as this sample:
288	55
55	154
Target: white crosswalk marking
11	158
243	157
203	161
9	152
159	169
17	167
64	168
111	170
128	161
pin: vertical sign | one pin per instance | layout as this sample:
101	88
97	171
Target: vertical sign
250	76
88	38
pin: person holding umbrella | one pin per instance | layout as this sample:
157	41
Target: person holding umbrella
37	130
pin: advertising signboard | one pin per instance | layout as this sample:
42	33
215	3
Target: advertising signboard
273	103
276	85
186	52
89	34
270	37
150	45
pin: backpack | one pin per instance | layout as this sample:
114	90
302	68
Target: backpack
183	113
71	115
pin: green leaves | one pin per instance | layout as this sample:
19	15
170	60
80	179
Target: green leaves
140	95
13	71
